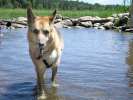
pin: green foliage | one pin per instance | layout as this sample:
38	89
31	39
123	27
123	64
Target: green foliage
66	7
11	13
58	4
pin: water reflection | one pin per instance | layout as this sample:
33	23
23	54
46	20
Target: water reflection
130	63
52	94
1	35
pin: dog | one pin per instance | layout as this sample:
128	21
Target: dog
45	47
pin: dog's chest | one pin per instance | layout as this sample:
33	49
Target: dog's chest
51	59
53	55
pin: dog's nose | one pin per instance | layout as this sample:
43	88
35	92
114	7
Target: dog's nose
41	44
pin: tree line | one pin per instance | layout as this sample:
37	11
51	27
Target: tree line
58	4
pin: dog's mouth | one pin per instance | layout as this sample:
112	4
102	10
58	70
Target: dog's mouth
41	52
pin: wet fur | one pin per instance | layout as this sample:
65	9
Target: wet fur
53	48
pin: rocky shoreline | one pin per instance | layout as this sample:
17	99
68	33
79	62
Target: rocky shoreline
115	22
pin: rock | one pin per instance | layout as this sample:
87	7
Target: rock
85	18
18	25
12	27
129	30
96	25
21	19
111	19
114	15
89	18
79	27
86	24
67	22
61	25
116	22
121	21
123	14
101	27
97	18
124	19
108	25
65	26
58	16
93	19
101	20
58	25
75	22
65	18
57	20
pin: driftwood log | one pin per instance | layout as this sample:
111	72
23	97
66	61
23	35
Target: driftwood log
104	20
3	22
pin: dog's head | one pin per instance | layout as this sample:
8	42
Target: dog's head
40	27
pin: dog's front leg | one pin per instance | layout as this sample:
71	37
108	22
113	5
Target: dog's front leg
40	82
54	72
40	70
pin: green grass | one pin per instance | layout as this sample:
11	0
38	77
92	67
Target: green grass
12	13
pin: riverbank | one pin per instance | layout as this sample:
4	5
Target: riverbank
117	22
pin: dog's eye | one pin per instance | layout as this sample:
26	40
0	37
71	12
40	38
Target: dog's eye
35	31
45	32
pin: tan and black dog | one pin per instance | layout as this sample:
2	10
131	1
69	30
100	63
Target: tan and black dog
45	47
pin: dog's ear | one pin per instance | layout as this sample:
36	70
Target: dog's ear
52	18
30	16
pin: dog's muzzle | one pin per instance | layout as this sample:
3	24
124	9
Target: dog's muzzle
41	50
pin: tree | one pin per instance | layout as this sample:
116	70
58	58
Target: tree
130	21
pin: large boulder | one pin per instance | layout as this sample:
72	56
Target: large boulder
108	25
75	21
115	15
121	21
123	14
58	25
86	24
85	18
90	18
96	25
96	18
21	19
67	22
111	19
59	16
101	27
57	20
64	24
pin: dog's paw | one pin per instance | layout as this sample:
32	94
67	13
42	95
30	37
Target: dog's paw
55	85
41	97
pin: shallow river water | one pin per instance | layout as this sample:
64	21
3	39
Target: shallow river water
95	65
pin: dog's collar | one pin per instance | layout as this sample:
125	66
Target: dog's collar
47	64
53	57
